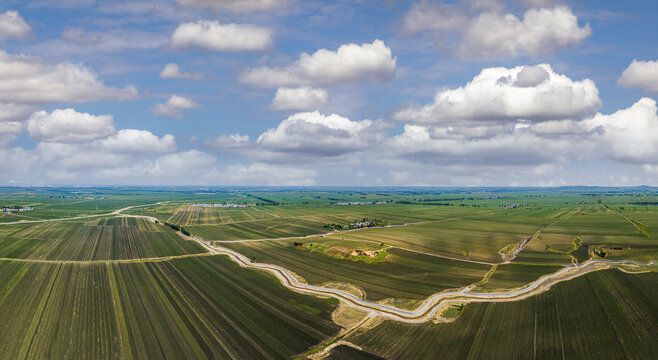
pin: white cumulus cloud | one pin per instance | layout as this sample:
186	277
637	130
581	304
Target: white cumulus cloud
12	26
69	126
302	98
628	135
172	71
174	106
312	133
349	63
540	31
641	74
30	80
138	141
534	93
213	36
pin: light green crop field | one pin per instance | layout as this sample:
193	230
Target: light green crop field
481	238
115	287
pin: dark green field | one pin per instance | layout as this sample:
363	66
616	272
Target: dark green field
606	314
189	308
93	239
344	352
513	275
405	275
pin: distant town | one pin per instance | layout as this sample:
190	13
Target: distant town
225	205
70	197
364	203
513	206
8	210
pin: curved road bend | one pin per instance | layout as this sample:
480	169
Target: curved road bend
428	309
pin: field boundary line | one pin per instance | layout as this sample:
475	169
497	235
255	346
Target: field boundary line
109	261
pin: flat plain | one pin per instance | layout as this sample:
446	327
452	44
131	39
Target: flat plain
90	274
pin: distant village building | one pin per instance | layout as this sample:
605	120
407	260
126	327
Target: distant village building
226	205
71	197
364	203
513	206
9	210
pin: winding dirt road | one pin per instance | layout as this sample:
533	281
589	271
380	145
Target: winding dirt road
428	309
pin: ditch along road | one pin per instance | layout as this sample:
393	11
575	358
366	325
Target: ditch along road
424	312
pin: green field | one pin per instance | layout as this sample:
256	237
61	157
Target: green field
481	238
344	352
509	276
189	308
93	239
606	314
404	274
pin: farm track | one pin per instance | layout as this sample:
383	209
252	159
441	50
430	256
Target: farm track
115	212
425	312
428	309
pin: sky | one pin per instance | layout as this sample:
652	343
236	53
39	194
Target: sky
337	93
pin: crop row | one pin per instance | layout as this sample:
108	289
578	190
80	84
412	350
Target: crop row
187	308
603	315
404	274
112	238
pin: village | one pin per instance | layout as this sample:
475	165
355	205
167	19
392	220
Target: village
513	206
364	203
9	210
225	205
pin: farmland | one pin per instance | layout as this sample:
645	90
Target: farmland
116	284
606	314
187	308
94	239
405	274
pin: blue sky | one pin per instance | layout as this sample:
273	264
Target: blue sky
293	92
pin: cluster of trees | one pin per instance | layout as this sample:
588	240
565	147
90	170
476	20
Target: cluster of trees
363	223
265	200
173	226
178	228
599	252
